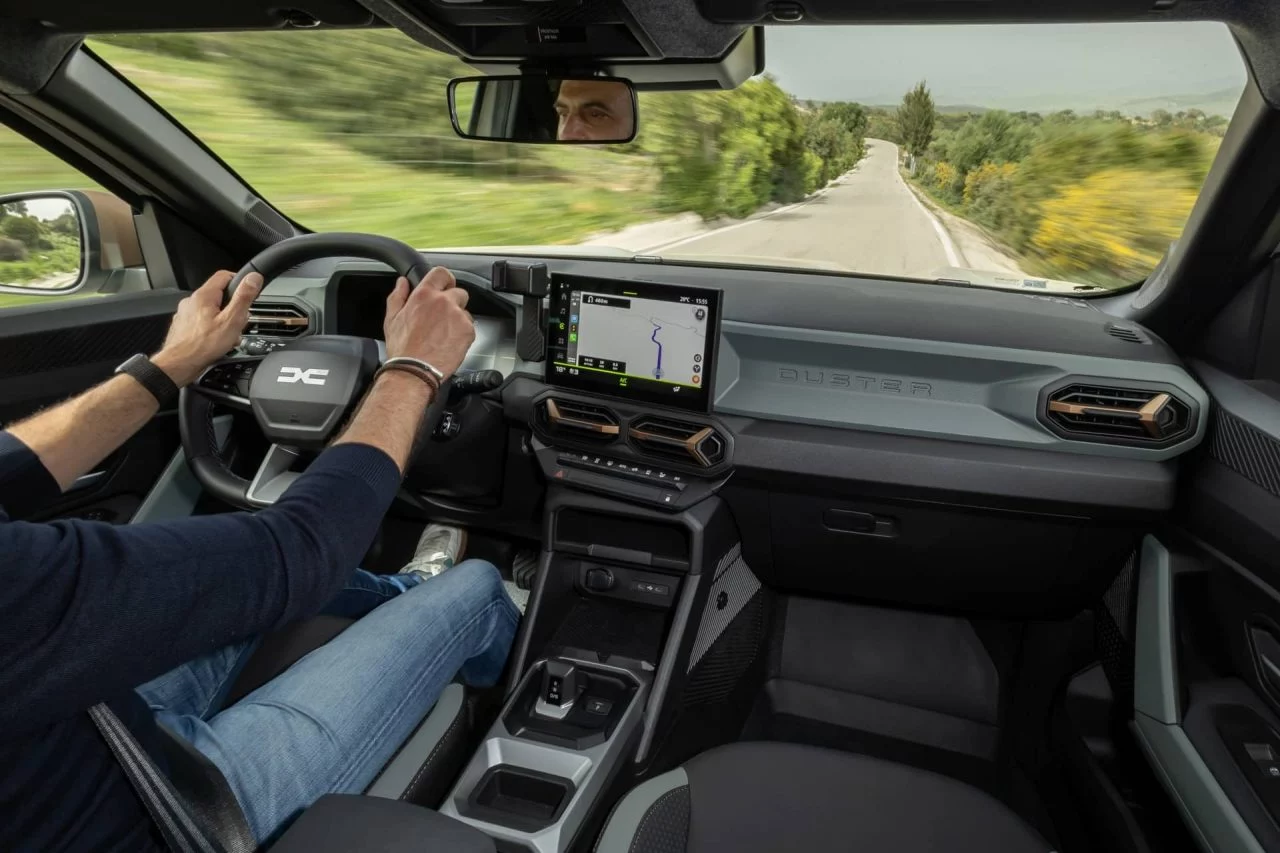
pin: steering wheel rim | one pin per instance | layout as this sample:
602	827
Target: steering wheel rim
198	401
279	258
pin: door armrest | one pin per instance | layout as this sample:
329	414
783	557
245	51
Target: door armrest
338	823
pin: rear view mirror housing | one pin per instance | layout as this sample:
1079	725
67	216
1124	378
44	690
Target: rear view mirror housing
542	109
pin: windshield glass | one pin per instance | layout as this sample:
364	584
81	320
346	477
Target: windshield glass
1063	158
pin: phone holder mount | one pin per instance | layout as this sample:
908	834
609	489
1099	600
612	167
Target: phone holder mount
532	282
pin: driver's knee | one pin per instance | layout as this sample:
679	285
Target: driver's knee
472	586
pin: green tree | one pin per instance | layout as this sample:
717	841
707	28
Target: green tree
994	137
916	117
67	224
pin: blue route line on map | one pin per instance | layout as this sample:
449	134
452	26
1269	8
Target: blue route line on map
657	373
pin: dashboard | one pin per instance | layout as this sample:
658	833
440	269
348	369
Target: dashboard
915	425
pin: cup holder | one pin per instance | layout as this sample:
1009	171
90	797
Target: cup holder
520	798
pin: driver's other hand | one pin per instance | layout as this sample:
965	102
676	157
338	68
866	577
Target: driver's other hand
430	322
202	330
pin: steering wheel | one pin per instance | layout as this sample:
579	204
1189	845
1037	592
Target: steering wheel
299	395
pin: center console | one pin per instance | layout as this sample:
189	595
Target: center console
638	550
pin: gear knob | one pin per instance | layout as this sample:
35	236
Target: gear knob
560	683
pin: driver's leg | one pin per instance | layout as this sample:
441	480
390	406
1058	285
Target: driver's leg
333	720
199	687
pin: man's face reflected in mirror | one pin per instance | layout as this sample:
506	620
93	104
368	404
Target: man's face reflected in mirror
594	110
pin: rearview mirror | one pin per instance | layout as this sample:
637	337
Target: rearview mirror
41	243
531	108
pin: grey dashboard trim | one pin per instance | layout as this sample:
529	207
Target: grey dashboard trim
908	386
1156	691
783	450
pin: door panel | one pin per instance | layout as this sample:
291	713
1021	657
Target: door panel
51	352
1207	707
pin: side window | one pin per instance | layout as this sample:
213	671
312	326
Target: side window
61	235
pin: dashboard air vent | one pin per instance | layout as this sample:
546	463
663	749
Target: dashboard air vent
580	420
1130	415
676	440
1129	334
277	320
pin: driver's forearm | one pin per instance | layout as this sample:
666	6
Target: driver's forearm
72	437
390	416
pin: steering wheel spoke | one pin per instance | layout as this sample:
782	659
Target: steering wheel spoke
227	382
275	475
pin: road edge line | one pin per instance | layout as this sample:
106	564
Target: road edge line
949	246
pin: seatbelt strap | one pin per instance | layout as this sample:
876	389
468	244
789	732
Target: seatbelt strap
180	831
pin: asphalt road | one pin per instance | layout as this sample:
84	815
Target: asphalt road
867	221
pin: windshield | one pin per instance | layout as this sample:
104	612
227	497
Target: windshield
1064	158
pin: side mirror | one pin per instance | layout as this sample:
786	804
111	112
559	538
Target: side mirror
532	108
42	243
54	242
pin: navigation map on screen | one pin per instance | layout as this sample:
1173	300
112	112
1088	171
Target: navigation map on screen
644	338
633	339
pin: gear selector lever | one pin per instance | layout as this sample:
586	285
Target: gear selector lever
561	684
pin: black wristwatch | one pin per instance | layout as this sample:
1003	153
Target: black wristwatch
152	378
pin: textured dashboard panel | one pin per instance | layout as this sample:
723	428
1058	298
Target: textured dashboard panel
909	386
1249	452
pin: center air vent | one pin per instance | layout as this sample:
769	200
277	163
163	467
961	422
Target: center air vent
277	320
1118	415
679	441
570	418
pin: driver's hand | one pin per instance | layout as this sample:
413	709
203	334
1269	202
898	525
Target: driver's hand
429	322
202	330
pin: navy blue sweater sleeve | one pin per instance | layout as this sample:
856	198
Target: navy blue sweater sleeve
25	484
88	609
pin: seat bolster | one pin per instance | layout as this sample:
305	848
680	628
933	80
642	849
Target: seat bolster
653	818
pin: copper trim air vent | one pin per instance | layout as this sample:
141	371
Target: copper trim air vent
1120	415
584	420
277	320
680	441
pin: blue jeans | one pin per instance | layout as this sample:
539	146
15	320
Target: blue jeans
331	722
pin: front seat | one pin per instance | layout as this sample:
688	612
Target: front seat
772	797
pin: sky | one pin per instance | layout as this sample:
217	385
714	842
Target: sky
1045	67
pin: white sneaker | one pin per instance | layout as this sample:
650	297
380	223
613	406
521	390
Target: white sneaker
439	548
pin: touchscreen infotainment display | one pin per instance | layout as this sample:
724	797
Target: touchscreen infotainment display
648	342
